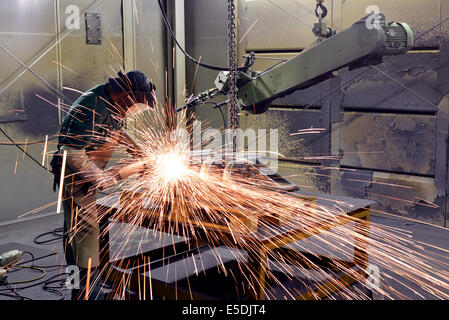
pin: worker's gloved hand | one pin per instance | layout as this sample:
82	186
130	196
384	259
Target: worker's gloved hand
121	172
105	181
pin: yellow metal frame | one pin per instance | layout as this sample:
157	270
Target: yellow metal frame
361	219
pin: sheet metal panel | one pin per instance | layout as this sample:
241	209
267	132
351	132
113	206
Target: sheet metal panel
409	196
309	178
351	182
26	35
91	65
275	29
27	30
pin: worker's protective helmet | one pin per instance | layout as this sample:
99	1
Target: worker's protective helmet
140	88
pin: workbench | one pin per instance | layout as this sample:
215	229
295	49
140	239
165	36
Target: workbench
156	268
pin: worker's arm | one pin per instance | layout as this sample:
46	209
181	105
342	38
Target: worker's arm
124	171
78	134
130	145
79	161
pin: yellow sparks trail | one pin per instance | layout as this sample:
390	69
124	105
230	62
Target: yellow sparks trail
61	182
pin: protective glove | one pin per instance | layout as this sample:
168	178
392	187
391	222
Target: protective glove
122	171
78	161
105	182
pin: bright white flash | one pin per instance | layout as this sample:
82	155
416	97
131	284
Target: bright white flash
171	166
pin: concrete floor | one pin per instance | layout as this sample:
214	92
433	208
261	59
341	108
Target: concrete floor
24	232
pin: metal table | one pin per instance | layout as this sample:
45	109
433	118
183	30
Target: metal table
273	239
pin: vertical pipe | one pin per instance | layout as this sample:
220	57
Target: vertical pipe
129	35
169	74
58	59
61	182
180	61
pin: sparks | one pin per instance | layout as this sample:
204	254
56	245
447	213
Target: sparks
171	166
177	195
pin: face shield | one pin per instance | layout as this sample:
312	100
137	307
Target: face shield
145	102
137	109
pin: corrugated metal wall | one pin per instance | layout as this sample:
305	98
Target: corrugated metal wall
29	29
382	141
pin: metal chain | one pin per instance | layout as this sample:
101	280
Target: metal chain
232	45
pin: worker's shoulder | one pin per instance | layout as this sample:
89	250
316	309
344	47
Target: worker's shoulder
95	98
93	95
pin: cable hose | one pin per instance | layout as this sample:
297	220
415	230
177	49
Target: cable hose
204	65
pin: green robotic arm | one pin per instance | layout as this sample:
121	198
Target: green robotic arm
358	46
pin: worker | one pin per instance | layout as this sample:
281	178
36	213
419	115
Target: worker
89	134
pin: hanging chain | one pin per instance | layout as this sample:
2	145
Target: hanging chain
232	95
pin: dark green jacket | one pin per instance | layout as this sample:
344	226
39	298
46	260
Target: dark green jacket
87	124
89	120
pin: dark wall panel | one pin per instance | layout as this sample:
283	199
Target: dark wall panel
304	147
418	72
391	142
388	130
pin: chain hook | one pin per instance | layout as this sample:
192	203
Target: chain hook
323	13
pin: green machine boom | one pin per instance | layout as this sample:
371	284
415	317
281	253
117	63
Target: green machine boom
358	46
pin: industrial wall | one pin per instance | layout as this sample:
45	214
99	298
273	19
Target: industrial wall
385	135
37	34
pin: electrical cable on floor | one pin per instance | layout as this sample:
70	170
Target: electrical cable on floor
56	290
16	294
39	258
31	254
32	260
55	233
46	283
50	280
42	271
